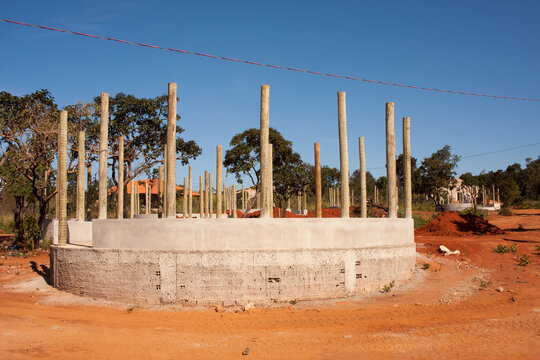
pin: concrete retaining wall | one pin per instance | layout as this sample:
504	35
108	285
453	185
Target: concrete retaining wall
79	232
251	234
150	277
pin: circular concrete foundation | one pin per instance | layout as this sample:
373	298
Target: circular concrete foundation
235	261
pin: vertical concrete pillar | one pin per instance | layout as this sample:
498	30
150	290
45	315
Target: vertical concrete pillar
258	195
407	195
120	205
146	207
266	201
270	179
210	197
352	197
299	203
483	196
164	194
80	178
62	179
224	198
201	197
160	191
190	204
391	160
138	197
243	199
493	194
206	197
233	193
343	154
318	183
363	192
103	145
305	199
89	181
338	196
132	199
184	202
171	152
219	167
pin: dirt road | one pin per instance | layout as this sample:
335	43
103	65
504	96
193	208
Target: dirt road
476	305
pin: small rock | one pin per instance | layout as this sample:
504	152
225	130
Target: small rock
500	289
246	351
248	307
219	309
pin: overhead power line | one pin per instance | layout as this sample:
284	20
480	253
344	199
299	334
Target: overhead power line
499	151
269	65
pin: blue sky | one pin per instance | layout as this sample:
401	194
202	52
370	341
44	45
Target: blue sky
478	46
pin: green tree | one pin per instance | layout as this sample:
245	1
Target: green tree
354	183
437	174
28	138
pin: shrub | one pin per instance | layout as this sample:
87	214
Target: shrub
470	211
32	232
388	286
505	211
524	260
426	266
501	249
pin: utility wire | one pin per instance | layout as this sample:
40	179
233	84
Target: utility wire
499	151
269	65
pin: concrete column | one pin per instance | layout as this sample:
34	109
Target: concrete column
132	199
318	183
171	153
233	193
391	160
201	197
363	192
62	179
190	204
270	179
164	194
89	181
493	194
299	203
343	155
206	197
184	202
103	145
258	195
243	199
352	197
160	191
120	205
138	197
407	195
80	178
146	207
210	197
219	167
305	199
338	196
266	201
224	199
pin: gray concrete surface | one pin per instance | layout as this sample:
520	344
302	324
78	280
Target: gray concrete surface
252	234
153	277
78	232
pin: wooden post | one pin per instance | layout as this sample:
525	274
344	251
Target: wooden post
80	178
243	199
62	179
120	205
318	183
407	166
391	160
219	166
190	204
343	155
171	152
266	201
363	191
184	202
103	145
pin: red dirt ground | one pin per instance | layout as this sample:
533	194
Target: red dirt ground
450	310
450	223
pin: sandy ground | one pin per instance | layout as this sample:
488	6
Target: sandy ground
452	310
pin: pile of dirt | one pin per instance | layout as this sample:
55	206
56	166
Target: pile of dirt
450	223
276	214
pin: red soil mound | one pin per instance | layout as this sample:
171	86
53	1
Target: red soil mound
276	214
450	223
